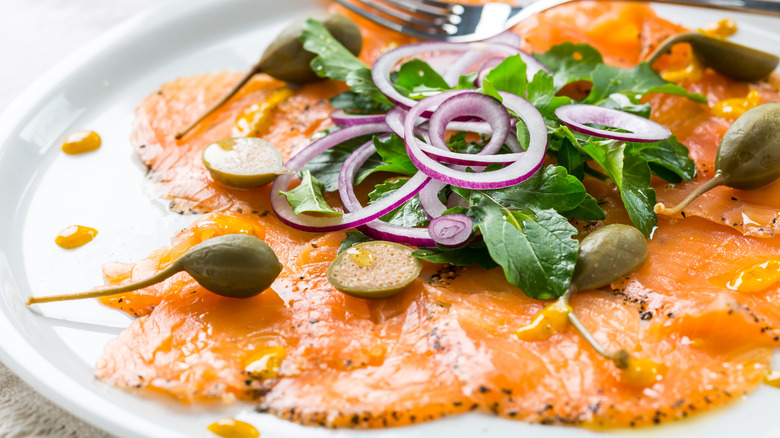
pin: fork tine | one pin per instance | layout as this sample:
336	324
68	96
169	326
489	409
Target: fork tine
397	12
420	8
451	7
429	31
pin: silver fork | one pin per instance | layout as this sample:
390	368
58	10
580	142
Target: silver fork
437	20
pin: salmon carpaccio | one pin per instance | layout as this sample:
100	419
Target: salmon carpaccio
446	345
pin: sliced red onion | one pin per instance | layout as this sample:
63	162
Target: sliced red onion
342	118
311	223
377	229
576	117
429	199
477	105
451	230
525	164
486	67
380	72
395	120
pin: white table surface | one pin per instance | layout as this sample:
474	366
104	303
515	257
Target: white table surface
35	35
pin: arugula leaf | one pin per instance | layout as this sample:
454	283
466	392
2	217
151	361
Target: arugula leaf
539	259
509	76
631	175
541	93
326	166
474	254
307	197
588	210
633	83
394	158
353	238
668	159
420	79
334	61
489	89
552	188
410	214
570	62
354	103
571	159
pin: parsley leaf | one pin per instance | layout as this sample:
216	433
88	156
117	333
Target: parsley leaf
334	61
307	197
410	214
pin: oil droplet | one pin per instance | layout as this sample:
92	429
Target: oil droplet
756	278
772	378
266	363
552	319
735	107
255	120
75	236
640	373
80	142
361	257
232	428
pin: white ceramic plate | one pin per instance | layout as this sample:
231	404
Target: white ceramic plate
43	191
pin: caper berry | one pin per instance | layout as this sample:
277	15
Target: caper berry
233	265
244	162
285	58
608	254
730	59
374	270
748	155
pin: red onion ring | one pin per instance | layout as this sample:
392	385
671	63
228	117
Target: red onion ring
526	164
354	219
575	116
451	230
429	199
377	229
380	71
342	118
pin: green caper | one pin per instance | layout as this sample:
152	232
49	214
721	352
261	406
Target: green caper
748	155
605	256
730	59
245	162
608	254
285	58
374	270
233	265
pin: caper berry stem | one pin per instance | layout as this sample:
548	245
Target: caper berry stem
225	97
107	291
667	45
660	208
621	358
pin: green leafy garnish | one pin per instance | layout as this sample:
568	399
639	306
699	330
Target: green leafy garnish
308	197
393	159
570	62
509	76
354	103
418	79
326	166
334	61
353	238
410	214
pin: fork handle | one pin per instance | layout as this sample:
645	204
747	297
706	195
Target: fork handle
771	7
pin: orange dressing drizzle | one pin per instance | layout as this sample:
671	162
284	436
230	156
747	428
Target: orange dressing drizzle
255	120
722	29
641	373
772	378
756	278
733	108
361	257
232	428
75	236
266	363
80	142
551	320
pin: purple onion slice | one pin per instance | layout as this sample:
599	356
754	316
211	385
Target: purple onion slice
577	116
451	230
342	118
